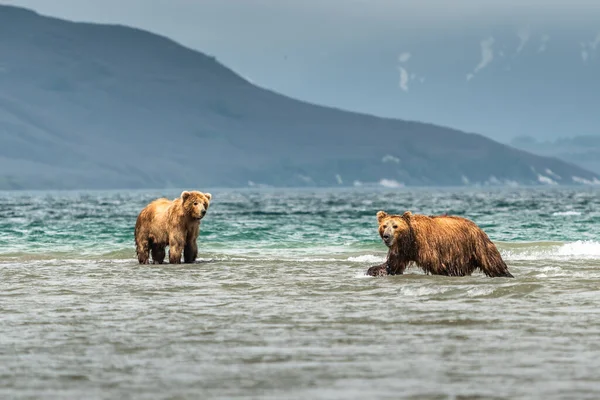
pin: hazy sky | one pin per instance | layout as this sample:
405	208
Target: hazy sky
223	27
240	32
348	53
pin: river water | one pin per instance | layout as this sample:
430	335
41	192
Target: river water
278	305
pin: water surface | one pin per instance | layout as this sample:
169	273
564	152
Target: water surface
278	305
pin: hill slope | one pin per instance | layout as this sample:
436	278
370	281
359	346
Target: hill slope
580	150
99	106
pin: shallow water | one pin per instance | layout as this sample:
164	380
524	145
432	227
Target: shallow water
278	305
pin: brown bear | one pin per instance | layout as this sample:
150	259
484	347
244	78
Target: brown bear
440	245
173	223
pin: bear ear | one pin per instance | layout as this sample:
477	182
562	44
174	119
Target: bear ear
208	196
381	215
184	195
407	215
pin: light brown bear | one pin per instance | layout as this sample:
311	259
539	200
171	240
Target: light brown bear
173	223
440	245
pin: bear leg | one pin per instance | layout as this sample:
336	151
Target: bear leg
158	254
497	267
143	251
491	263
395	266
378	270
190	252
499	273
175	254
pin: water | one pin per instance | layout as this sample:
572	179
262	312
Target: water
278	305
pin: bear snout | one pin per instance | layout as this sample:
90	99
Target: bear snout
387	239
202	214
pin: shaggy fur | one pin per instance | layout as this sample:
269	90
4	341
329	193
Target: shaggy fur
173	223
440	245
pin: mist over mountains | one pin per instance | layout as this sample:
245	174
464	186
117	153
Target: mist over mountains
581	150
105	106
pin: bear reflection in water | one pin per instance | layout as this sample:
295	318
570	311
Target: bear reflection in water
173	223
440	245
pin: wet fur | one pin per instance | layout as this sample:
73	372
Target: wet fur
440	245
173	223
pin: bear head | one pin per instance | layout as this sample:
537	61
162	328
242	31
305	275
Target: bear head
195	204
393	227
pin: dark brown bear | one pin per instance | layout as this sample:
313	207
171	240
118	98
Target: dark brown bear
440	245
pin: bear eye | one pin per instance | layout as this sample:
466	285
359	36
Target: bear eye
195	203
395	226
385	226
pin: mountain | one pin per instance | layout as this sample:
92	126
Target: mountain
101	106
580	150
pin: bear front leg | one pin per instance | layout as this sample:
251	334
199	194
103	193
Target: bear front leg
175	253
396	267
190	252
378	270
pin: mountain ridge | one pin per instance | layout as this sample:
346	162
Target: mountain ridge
583	150
108	106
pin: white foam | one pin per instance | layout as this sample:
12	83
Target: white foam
367	258
315	259
553	273
116	260
550	269
580	248
565	213
480	291
587	249
274	258
422	291
363	275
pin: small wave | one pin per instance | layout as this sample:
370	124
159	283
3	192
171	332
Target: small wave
367	258
363	275
309	259
566	213
580	248
587	249
480	291
546	272
422	291
275	259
